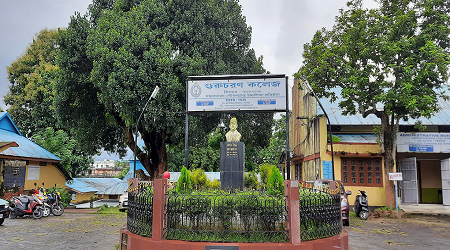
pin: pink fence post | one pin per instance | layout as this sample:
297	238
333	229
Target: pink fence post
292	202
159	190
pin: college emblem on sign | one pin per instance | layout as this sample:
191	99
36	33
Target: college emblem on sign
196	90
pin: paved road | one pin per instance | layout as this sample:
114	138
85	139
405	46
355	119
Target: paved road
69	231
415	232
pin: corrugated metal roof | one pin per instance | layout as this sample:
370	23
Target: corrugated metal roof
26	148
337	118
85	185
357	138
117	189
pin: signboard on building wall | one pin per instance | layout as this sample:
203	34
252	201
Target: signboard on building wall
33	173
237	93
395	176
423	142
327	170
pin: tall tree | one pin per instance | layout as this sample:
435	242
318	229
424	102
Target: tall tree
389	62
31	92
31	95
110	64
59	143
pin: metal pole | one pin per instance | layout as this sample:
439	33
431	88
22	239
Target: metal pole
155	91
186	137
288	151
396	205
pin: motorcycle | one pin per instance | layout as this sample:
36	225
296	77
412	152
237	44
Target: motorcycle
26	205
42	195
56	207
361	207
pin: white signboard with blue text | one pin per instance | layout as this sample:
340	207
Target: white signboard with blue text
237	94
423	142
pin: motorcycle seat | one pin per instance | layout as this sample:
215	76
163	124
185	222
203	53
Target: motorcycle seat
23	199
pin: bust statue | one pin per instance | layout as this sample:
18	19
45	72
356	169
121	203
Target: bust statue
233	135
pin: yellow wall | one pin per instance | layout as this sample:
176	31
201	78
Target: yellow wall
84	197
48	174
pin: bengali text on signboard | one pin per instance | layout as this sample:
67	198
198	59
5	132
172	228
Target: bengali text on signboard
237	94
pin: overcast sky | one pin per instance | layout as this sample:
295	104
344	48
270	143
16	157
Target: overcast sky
280	28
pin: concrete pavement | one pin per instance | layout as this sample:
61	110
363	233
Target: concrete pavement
426	209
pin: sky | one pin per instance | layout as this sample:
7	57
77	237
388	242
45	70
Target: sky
280	28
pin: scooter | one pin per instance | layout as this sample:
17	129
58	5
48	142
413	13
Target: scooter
361	207
26	205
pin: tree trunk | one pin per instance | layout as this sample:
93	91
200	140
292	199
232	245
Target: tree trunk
158	154
155	162
389	133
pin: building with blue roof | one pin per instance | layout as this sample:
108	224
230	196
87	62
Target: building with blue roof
82	189
24	164
422	156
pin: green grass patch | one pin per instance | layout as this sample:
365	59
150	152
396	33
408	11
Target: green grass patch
105	209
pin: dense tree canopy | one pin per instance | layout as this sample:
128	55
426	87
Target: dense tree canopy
31	92
112	58
31	95
389	62
59	143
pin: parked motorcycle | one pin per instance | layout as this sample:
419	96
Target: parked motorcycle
42	195
361	207
53	200
26	205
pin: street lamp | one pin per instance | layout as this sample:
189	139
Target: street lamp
155	91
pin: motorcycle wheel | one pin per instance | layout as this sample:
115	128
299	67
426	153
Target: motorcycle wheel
46	211
37	213
364	215
13	215
57	209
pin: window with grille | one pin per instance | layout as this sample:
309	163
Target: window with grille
15	170
362	172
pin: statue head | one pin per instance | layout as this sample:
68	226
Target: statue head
233	124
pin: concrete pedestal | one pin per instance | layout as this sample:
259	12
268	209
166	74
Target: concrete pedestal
232	155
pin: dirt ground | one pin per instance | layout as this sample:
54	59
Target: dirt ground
69	231
413	232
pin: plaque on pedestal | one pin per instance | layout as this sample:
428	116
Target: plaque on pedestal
232	155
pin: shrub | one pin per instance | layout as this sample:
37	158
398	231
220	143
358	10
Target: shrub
251	180
264	171
184	182
198	178
65	196
215	184
275	182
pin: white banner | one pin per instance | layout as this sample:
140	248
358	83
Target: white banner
33	173
237	94
396	176
423	142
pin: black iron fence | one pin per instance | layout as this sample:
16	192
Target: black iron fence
251	216
140	210
222	217
320	213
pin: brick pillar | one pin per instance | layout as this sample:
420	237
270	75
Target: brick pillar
292	201
159	190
